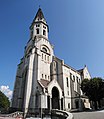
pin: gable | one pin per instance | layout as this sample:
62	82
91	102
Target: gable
52	84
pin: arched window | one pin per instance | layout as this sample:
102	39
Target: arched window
37	25
73	78
42	76
44	49
44	32
77	79
45	57
48	58
42	56
69	105
68	92
67	82
45	77
37	31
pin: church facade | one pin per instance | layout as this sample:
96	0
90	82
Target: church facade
44	81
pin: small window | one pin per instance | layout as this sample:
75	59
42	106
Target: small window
42	56
67	82
42	75
44	32
68	105
37	31
45	77
48	77
48	58
77	79
68	92
37	25
70	76
44	27
73	78
45	57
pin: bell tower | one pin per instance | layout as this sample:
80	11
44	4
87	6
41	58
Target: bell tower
39	26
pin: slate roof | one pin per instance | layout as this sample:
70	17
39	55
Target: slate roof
80	70
39	14
44	83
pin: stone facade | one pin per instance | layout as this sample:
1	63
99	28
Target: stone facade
44	81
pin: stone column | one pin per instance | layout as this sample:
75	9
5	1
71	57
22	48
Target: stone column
50	102
60	104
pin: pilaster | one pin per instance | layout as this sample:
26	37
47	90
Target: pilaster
28	83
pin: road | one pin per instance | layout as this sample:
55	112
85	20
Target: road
80	115
89	115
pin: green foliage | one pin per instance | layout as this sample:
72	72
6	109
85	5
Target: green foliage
4	102
93	88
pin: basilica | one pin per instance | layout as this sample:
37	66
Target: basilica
44	81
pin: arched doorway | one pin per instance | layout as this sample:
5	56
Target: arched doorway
77	104
55	98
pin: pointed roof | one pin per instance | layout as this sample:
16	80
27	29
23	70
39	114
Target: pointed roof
39	14
39	18
44	82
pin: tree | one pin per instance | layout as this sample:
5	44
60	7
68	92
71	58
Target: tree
4	102
94	89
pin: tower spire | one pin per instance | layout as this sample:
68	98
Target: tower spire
39	25
39	16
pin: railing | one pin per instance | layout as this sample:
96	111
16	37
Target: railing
53	114
15	115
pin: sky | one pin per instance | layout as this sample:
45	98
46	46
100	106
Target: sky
76	29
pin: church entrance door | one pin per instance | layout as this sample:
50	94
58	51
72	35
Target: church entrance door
55	98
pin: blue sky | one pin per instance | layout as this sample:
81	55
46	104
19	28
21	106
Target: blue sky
76	28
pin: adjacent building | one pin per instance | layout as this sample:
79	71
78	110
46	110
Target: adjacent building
43	81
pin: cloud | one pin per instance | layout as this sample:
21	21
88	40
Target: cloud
6	91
